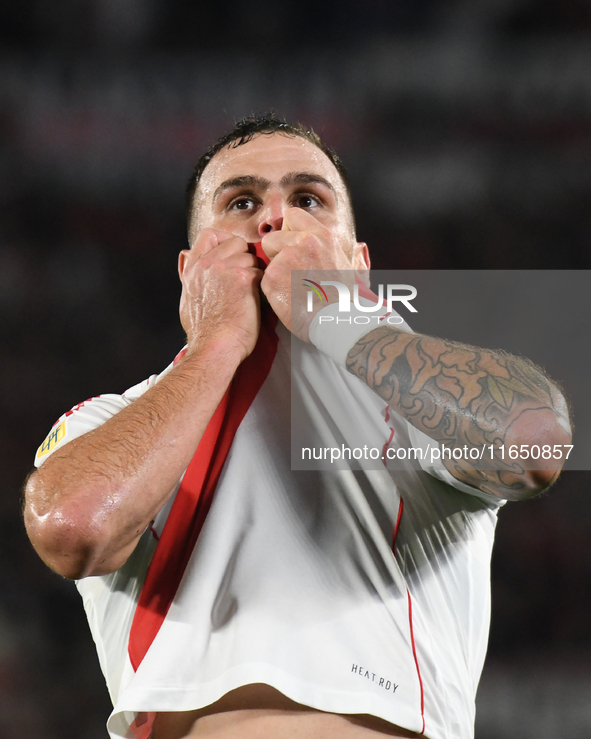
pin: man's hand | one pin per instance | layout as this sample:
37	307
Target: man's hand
220	297
302	244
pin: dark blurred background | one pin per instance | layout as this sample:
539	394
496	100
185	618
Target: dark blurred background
466	126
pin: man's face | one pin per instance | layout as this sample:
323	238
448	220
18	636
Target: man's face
247	190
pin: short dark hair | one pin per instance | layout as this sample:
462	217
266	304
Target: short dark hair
243	132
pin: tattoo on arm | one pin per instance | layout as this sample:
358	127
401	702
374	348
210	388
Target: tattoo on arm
458	395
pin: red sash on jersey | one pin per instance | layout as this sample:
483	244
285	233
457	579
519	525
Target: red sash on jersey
195	494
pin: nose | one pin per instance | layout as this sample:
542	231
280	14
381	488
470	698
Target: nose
271	216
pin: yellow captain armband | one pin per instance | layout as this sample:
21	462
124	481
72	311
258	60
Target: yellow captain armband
55	436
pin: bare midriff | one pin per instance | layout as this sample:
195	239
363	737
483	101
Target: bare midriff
261	712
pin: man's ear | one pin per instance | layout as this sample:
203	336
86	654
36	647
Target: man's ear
360	258
360	262
182	261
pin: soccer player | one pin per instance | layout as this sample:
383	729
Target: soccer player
231	597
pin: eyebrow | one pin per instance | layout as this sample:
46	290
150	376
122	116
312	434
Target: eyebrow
306	178
247	180
261	183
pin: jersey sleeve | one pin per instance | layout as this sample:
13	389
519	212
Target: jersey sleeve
87	416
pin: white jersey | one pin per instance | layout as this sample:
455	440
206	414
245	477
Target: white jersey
296	580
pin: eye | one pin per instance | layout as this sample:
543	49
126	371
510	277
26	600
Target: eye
305	201
242	203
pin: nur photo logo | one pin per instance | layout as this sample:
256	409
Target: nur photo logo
394	294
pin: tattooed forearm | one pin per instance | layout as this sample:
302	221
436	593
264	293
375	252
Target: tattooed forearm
465	396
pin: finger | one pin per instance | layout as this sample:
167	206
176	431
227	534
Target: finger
250	273
297	219
223	267
276	241
233	246
244	259
207	254
209	238
225	249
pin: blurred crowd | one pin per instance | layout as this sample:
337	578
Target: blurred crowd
466	128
